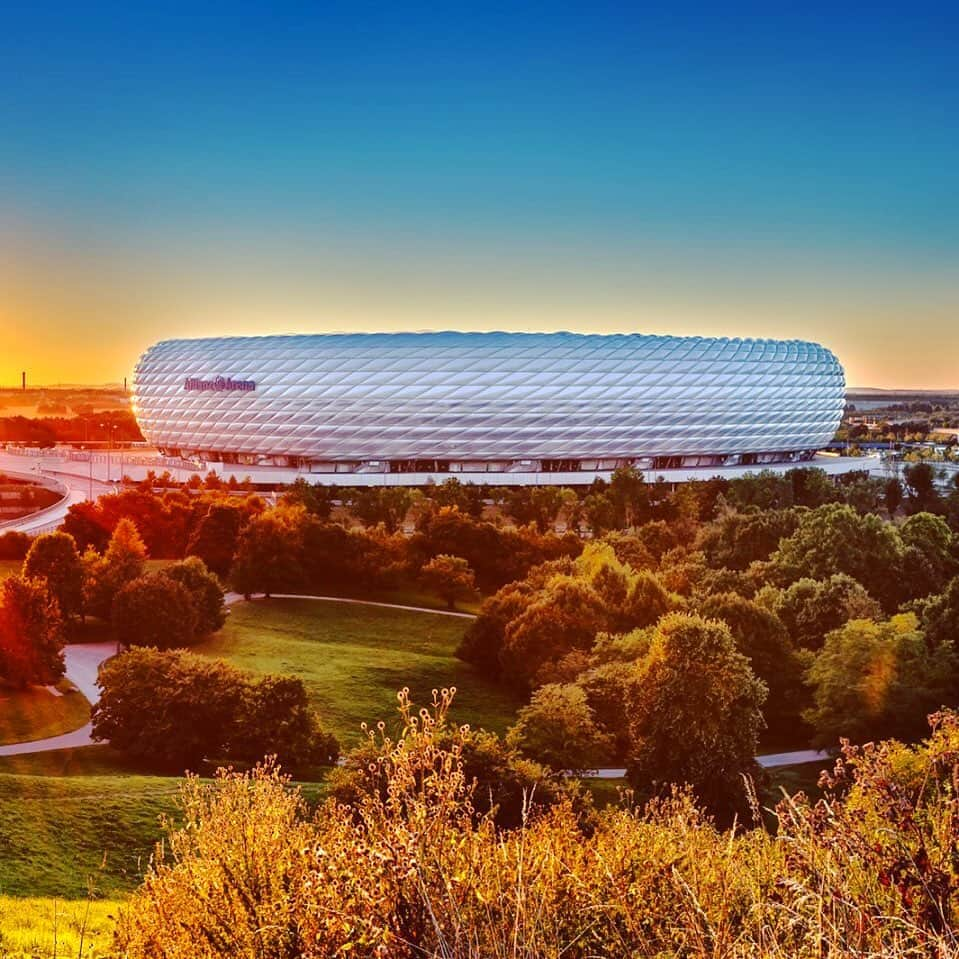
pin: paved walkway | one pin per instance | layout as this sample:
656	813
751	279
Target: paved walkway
770	761
83	663
233	598
797	758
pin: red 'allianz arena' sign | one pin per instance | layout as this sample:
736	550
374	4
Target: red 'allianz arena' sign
219	384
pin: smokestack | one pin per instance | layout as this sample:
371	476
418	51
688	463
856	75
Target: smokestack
23	380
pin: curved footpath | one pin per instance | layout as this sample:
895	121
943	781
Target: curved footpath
83	663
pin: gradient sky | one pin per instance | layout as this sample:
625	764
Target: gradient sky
786	170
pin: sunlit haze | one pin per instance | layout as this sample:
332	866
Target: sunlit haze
744	172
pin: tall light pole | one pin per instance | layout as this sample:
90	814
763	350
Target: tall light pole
103	426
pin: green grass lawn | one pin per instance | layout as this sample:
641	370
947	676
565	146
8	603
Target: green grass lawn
77	820
64	836
36	712
353	659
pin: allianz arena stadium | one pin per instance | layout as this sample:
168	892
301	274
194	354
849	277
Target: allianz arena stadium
410	407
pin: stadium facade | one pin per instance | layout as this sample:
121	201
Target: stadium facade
533	404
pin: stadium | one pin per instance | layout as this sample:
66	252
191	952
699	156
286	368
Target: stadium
490	407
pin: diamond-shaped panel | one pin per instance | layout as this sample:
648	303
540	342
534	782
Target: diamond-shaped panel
489	396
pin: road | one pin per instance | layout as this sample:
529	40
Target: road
51	467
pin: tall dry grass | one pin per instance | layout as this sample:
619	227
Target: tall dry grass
415	872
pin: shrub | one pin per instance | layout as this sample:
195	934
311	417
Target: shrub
412	871
175	710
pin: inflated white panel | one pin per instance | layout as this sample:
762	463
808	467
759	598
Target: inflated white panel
487	396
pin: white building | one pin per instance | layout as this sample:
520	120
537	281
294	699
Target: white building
489	407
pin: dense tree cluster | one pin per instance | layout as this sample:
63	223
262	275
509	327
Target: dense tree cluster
811	588
797	603
177	710
174	606
115	426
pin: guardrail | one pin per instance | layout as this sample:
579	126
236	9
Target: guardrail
47	482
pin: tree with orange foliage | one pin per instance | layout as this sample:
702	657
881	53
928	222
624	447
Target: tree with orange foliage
31	633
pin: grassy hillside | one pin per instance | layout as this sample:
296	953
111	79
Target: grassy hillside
64	836
354	658
80	820
37	712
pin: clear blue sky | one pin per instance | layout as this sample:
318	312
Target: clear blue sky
783	170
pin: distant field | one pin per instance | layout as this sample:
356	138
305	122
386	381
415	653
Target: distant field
36	713
61	401
354	658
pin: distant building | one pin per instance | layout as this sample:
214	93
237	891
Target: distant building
480	404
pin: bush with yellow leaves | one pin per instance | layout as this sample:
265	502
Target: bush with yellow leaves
414	871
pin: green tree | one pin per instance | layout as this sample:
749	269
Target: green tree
206	593
216	536
154	610
104	576
940	616
929	561
386	505
600	513
812	608
765	490
836	539
893	495
647	600
468	498
874	680
274	718
921	493
269	556
482	643
629	493
564	617
14	545
53	558
450	577
31	633
534	504
696	711
558	729
317	500
763	639
735	540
